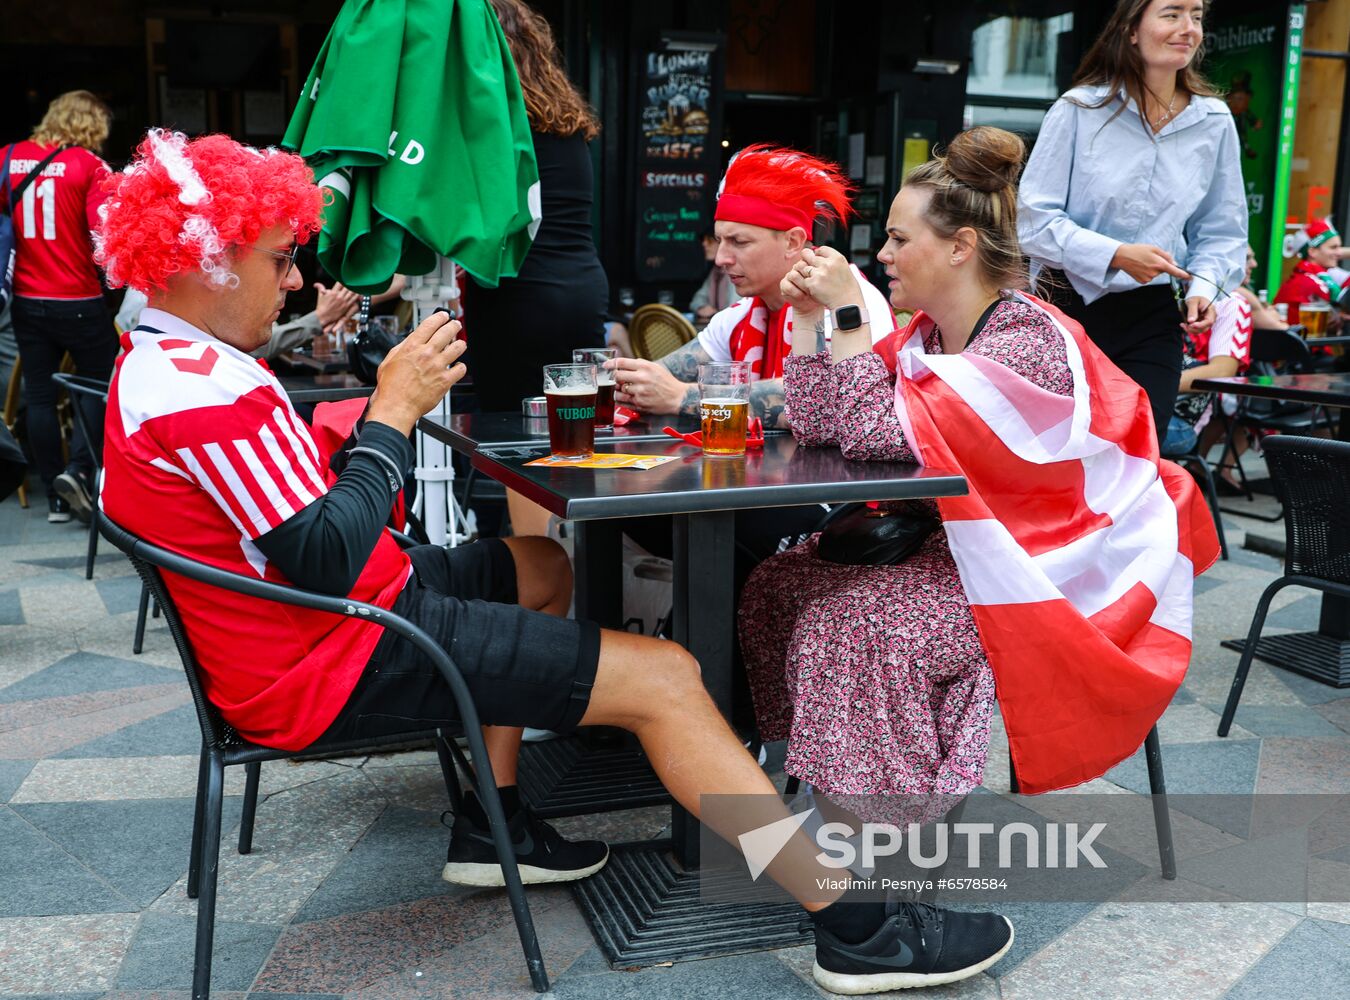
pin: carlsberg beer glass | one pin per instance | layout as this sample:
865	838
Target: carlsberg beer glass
604	381
724	405
570	392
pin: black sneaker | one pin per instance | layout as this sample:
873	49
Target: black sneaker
541	853
73	487
917	945
58	511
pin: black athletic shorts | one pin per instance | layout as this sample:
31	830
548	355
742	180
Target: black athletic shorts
523	668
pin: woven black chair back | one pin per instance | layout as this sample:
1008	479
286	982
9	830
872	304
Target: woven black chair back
1311	477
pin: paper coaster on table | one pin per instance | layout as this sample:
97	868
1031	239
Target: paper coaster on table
606	461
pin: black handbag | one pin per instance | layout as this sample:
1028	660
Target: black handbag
858	535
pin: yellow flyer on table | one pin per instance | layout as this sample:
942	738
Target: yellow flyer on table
607	461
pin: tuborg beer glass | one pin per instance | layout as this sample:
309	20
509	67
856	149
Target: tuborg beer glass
570	392
724	405
604	381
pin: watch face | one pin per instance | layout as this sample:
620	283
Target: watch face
848	317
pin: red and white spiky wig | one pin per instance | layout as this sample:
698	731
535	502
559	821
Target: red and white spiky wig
181	206
781	188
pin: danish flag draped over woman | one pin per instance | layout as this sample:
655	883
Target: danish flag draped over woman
1076	546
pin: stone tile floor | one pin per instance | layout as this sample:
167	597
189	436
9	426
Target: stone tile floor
342	895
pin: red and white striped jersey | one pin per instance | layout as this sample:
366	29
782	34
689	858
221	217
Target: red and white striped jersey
204	452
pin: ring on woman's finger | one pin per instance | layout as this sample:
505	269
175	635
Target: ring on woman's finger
807	271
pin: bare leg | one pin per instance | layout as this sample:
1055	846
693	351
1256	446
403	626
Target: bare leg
653	689
543	583
527	517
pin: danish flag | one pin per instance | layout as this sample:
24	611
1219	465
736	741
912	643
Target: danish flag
1076	546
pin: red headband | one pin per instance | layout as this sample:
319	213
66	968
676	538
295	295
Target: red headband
755	211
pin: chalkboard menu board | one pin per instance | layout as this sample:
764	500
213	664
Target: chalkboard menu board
678	158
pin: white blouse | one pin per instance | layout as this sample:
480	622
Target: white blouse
1099	177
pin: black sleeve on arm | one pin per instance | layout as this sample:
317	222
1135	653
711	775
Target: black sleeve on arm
325	546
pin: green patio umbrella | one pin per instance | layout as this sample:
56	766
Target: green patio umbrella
413	118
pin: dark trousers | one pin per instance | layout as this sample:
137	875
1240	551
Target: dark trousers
46	329
1140	331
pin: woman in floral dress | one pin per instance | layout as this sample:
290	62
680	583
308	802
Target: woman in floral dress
875	674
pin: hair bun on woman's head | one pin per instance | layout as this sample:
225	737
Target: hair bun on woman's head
985	158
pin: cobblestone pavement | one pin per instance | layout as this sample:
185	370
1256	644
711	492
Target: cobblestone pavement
342	895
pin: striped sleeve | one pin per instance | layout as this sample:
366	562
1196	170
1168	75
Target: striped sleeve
256	460
1231	335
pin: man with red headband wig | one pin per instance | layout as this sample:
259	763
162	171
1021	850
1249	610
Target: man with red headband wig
766	209
206	456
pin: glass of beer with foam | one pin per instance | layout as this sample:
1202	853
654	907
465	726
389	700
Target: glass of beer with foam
724	405
570	394
604	382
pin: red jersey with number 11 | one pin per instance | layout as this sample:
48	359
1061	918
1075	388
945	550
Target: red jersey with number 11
53	220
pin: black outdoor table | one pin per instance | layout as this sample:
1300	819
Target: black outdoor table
1323	655
642	906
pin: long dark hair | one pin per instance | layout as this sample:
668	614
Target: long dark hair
1114	61
554	105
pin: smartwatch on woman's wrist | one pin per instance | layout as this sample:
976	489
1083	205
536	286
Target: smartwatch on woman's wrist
848	317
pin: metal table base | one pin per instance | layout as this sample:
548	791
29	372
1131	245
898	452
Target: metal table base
1322	657
644	909
580	775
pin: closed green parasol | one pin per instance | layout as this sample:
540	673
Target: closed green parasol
413	118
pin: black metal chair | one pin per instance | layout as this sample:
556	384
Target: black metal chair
222	747
1273	352
94	392
85	393
1311	477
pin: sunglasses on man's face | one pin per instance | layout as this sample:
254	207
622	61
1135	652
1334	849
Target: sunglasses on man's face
288	256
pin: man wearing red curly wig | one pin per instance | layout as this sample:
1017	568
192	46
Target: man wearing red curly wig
766	210
206	456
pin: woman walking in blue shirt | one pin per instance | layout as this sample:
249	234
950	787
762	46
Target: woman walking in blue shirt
1135	181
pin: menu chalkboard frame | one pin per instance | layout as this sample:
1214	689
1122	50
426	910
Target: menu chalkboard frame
678	94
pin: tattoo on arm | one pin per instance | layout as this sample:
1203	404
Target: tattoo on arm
689	405
683	364
820	335
767	402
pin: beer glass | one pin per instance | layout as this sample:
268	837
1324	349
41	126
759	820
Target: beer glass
1315	317
570	392
604	381
724	405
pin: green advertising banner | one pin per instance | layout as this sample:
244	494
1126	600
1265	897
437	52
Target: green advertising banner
1245	61
1293	61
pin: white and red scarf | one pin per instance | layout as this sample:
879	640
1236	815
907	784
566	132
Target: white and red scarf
763	338
1076	546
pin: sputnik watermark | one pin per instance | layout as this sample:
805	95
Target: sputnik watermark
1067	847
1017	845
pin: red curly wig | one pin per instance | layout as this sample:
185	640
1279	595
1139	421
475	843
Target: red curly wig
181	206
780	188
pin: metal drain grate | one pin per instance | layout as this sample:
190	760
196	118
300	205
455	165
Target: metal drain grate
566	777
644	910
